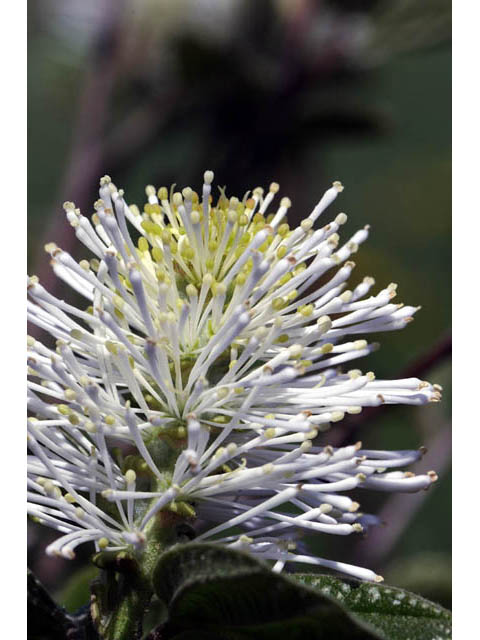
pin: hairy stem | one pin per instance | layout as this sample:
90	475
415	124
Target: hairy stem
122	595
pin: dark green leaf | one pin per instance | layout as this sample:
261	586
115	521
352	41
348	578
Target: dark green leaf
76	592
397	614
215	592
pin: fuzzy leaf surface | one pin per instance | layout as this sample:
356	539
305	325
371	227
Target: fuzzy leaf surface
215	592
396	614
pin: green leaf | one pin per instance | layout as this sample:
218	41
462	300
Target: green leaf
395	613
215	592
76	592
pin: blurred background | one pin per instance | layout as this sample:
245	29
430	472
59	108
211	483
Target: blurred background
302	92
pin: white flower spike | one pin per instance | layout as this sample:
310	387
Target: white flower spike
198	378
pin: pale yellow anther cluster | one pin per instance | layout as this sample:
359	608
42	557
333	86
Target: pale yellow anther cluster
203	242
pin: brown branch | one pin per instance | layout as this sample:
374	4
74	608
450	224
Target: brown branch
423	364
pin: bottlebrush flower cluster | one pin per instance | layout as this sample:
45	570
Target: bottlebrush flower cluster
209	355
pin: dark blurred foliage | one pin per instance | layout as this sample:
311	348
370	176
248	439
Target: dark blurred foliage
302	92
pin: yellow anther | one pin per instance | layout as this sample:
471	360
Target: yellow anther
354	410
222	393
147	225
353	374
278	304
324	323
143	244
112	347
231	448
162	193
306	310
283	230
166	236
130	476
218	289
63	409
157	254
118	301
177	199
85	264
360	344
191	291
103	543
207	279
353	247
240	279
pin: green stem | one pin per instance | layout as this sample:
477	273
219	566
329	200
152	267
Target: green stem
121	597
127	620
